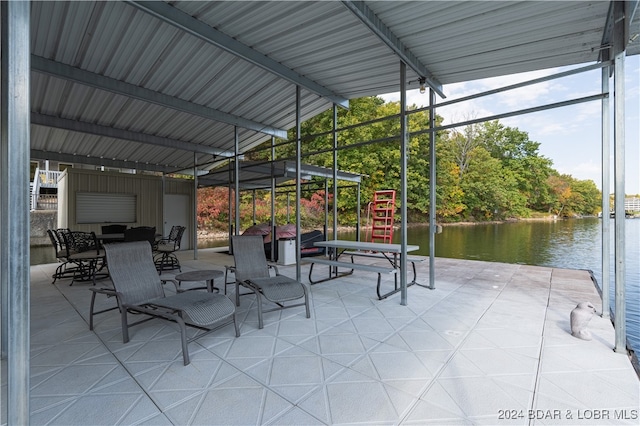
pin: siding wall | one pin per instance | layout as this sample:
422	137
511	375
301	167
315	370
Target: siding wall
148	191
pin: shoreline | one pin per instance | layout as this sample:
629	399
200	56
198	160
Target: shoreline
222	235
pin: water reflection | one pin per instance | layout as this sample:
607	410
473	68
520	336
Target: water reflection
573	244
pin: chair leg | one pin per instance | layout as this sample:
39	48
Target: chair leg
167	261
306	301
58	273
226	272
125	326
162	261
175	263
235	324
259	302
183	338
93	301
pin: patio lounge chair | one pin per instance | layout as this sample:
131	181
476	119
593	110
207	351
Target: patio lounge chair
138	289
252	271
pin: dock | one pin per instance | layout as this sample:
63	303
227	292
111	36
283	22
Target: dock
490	345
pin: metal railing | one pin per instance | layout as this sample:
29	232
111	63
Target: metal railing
44	179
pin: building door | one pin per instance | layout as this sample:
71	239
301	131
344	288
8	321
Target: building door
177	211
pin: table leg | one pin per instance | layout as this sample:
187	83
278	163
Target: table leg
211	286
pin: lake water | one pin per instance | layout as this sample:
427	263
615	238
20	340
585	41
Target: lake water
572	243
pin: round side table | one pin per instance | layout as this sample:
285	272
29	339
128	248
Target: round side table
207	275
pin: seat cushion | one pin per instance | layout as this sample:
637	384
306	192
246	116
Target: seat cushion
164	247
202	308
279	288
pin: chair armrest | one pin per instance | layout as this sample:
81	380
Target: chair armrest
110	292
174	282
273	266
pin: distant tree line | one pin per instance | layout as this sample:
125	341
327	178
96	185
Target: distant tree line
484	172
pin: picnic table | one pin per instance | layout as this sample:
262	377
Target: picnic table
337	248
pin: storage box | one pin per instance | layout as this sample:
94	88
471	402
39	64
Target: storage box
286	251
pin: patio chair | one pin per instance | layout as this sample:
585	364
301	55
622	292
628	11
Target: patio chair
138	289
63	270
113	229
141	233
83	250
252	271
165	258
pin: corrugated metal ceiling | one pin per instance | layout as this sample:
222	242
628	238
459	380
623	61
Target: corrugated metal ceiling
322	42
257	175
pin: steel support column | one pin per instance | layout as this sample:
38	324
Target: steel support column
230	201
403	183
432	189
253	210
619	45
358	210
298	177
194	239
273	200
326	206
14	195
606	189
236	180
335	172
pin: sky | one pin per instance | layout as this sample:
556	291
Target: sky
569	136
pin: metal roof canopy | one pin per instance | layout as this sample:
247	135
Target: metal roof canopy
112	65
147	84
258	175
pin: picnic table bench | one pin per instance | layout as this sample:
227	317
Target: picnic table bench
410	258
351	266
360	248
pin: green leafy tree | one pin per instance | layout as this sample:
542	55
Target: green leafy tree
490	190
449	194
519	154
463	143
484	171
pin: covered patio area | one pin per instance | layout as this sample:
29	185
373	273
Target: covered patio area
172	87
490	345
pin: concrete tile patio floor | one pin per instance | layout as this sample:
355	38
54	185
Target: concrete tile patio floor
490	345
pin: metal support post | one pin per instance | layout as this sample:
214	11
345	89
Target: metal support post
335	172
403	183
606	189
230	215
195	206
273	200
326	206
619	42
253	211
432	190
298	178
14	221
236	179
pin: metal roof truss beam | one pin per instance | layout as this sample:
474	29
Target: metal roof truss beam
193	26
97	161
113	132
384	33
101	82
